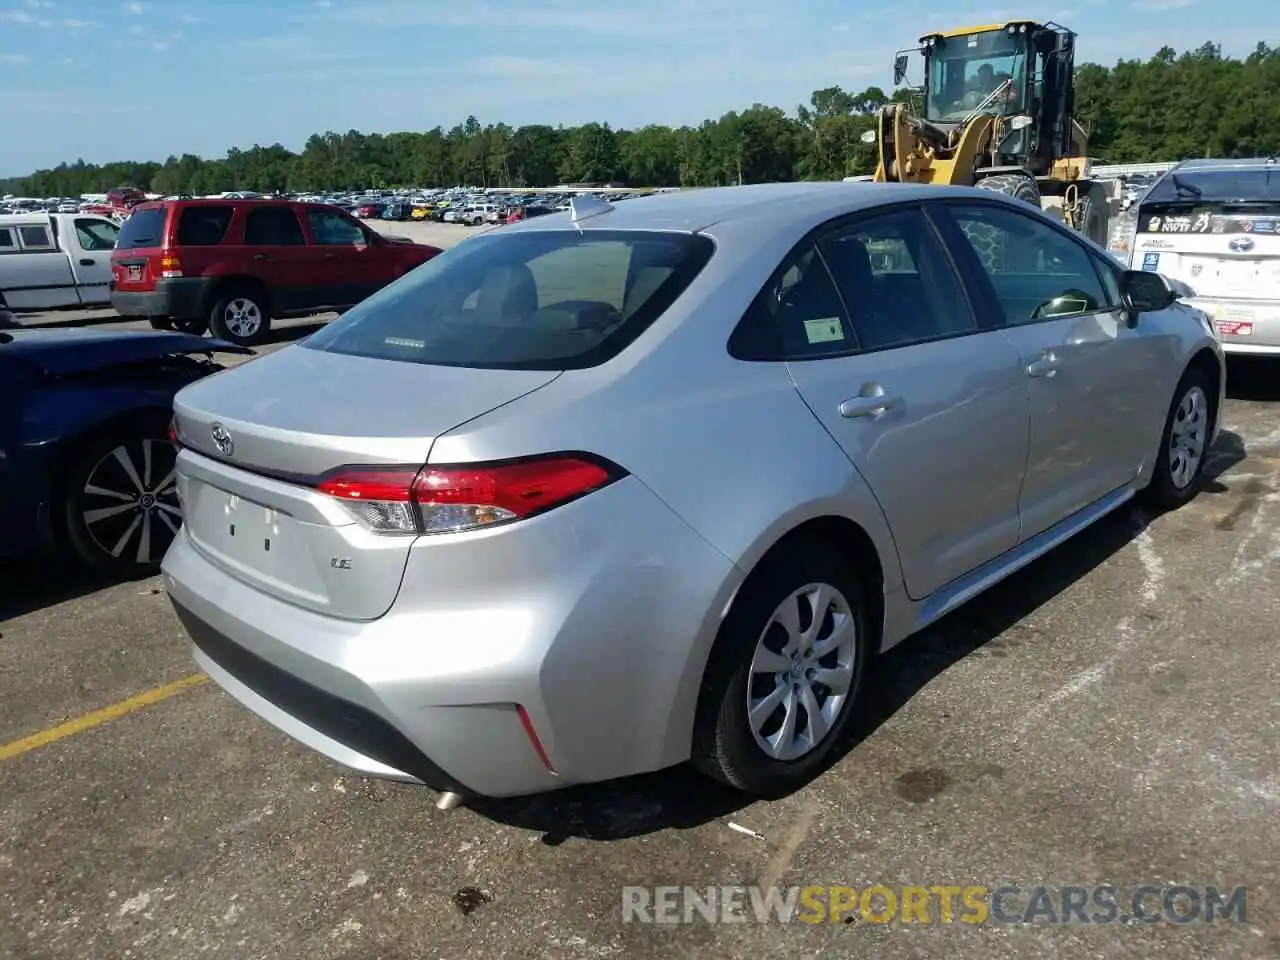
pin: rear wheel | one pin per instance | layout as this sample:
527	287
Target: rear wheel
241	316
783	679
120	499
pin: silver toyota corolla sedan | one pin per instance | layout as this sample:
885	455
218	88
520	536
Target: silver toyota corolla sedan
622	487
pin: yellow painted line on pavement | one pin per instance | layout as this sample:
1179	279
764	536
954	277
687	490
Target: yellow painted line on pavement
89	720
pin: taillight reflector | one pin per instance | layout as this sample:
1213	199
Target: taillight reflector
173	433
532	734
454	498
170	267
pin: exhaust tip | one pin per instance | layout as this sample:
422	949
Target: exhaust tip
449	800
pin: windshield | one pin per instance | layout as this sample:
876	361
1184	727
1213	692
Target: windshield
1218	186
964	71
541	300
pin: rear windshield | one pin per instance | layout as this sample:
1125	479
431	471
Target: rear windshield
144	228
1217	186
203	226
537	300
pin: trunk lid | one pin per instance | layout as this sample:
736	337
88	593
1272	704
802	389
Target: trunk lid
283	420
1228	254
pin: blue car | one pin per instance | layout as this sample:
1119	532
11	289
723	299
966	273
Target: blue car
86	463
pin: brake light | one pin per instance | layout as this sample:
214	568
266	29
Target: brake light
455	498
173	432
170	268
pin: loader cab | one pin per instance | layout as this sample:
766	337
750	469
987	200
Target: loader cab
1019	71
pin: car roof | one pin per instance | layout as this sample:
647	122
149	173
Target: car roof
790	205
1225	165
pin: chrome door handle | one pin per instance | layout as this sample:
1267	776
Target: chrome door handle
1045	365
869	406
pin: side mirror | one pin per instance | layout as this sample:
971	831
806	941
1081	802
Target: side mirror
1020	122
1145	292
899	69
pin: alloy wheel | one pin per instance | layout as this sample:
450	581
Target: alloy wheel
243	317
130	501
802	671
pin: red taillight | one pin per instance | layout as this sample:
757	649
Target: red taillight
451	499
173	433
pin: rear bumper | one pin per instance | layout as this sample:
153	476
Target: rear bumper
1245	327
596	619
186	298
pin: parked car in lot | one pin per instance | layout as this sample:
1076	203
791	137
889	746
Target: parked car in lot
52	261
231	266
606	491
86	464
1215	226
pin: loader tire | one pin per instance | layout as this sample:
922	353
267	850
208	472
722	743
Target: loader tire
1014	185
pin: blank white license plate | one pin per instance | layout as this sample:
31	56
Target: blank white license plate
135	273
240	529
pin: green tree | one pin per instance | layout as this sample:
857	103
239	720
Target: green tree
1170	106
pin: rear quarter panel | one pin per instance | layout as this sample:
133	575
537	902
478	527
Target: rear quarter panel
728	446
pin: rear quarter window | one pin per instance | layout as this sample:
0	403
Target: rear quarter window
536	300
145	228
203	226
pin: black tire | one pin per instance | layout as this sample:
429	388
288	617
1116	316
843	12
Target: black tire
123	533
724	745
197	326
232	316
1015	185
1172	486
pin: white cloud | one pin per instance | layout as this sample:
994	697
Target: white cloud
137	31
76	24
137	9
39	4
13	58
1160	6
17	16
324	4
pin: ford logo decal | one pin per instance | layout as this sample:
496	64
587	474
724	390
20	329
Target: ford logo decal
1241	244
222	439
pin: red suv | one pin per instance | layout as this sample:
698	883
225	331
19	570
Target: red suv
230	266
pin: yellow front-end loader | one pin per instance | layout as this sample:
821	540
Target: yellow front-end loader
997	114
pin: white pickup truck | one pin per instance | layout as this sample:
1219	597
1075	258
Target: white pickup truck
52	261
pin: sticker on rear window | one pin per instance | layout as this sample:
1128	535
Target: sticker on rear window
828	330
1151	262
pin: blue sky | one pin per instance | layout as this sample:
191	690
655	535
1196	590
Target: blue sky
106	80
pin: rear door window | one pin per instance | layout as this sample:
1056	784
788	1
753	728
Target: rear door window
273	227
35	238
331	229
144	228
546	300
203	226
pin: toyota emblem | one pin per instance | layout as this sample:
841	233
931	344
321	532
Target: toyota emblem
1241	244
222	439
